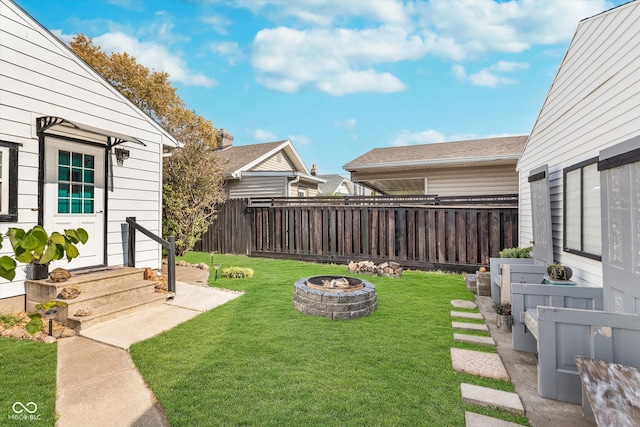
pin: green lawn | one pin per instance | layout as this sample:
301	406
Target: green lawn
27	374
257	361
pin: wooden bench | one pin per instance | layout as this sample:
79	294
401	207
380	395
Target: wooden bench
611	391
543	323
520	270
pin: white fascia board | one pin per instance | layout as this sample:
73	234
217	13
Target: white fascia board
413	163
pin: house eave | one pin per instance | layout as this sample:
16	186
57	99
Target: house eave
451	162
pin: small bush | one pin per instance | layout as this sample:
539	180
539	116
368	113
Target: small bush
516	252
237	273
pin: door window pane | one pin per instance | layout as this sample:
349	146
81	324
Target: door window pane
582	224
74	169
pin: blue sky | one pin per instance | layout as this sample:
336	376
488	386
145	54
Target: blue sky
339	78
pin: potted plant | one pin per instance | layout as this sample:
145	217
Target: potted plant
504	318
37	248
559	272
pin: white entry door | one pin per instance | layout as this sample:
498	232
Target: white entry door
74	196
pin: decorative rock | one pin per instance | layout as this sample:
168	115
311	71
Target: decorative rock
69	292
49	340
183	263
20	333
59	275
57	333
202	266
68	332
83	311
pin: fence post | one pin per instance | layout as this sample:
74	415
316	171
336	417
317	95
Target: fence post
171	264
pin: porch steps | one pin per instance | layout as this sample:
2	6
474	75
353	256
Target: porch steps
108	292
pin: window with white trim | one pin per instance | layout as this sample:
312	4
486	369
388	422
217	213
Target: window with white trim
582	224
8	181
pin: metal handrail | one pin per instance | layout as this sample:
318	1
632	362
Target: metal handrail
169	244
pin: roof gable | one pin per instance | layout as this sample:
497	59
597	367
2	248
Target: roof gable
242	158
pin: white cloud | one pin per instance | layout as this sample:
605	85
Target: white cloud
219	23
348	124
413	138
230	50
300	139
490	76
264	135
471	28
155	56
336	61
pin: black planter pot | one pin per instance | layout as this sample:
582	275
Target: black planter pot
37	271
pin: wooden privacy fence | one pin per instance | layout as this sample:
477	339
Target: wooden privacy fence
456	237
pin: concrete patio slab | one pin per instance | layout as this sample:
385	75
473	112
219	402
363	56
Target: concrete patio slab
477	420
189	301
458	303
474	339
481	327
478	363
485	396
466	315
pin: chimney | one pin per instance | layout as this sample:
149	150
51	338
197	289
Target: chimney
225	139
314	170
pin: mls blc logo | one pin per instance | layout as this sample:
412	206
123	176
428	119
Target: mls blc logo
24	411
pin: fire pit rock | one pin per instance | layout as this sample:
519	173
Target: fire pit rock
335	297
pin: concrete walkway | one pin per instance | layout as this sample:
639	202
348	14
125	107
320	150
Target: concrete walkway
97	382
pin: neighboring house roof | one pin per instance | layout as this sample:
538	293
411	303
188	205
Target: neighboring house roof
241	159
333	184
458	153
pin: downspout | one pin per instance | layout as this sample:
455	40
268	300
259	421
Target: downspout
293	181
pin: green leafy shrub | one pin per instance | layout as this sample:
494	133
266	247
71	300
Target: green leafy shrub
516	252
237	273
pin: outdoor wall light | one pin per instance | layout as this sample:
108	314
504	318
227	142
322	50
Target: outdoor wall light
217	267
121	155
49	315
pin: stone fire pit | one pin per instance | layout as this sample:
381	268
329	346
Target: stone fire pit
335	297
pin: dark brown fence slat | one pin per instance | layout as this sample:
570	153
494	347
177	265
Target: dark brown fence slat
443	233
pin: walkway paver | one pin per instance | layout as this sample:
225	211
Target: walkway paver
481	327
474	339
466	315
479	363
477	420
485	396
98	383
458	303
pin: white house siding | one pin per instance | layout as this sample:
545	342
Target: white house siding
257	186
277	162
41	77
593	103
472	181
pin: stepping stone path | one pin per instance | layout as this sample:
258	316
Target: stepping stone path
476	420
484	364
459	303
466	315
485	396
481	327
474	339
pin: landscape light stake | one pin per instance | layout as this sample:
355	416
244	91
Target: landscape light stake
216	266
50	313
